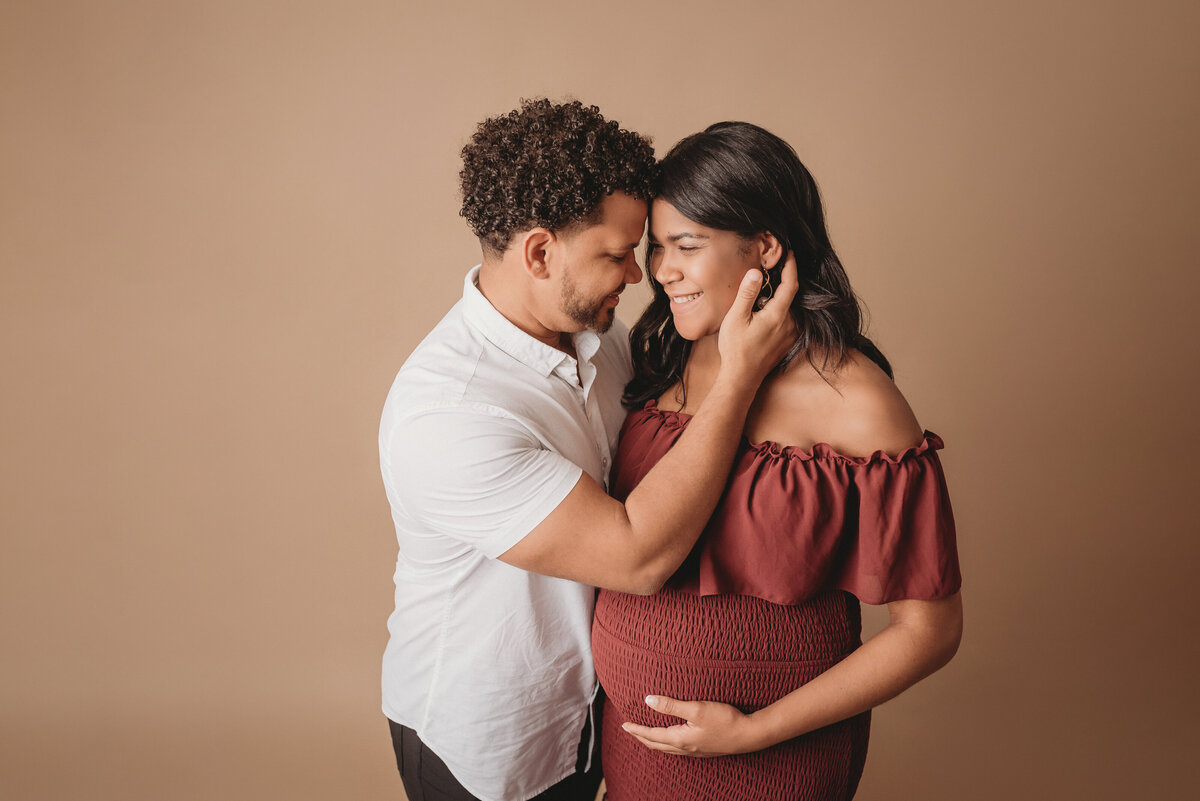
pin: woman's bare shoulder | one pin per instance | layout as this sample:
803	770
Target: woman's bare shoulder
855	408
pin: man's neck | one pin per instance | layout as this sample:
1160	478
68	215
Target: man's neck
506	298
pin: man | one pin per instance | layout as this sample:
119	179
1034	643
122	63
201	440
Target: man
495	447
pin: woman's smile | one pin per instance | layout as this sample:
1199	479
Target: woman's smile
678	301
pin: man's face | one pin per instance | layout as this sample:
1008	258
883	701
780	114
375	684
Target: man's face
598	262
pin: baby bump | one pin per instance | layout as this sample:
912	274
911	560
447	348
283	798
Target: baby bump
735	649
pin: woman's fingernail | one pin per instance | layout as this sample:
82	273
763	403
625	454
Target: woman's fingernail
651	700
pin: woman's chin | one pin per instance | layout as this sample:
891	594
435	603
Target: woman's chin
692	333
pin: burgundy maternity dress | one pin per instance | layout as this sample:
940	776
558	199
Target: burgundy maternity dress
767	600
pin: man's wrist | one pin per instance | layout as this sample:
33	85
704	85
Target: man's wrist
739	386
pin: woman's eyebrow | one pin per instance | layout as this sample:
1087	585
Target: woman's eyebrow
677	237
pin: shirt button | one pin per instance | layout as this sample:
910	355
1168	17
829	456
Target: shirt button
604	462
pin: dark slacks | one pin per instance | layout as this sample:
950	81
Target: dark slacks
426	777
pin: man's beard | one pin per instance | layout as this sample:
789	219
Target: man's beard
594	316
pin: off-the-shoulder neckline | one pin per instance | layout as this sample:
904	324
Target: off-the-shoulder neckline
819	450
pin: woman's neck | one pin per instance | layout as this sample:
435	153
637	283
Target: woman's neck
699	373
704	357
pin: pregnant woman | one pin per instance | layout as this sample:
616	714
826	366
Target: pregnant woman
752	655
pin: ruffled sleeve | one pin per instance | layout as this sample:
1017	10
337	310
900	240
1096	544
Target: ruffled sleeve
794	523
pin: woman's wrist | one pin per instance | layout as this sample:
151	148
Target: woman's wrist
762	730
790	716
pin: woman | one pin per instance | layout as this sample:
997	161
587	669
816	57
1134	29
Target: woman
837	496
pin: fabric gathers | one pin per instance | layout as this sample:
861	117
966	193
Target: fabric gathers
738	650
794	523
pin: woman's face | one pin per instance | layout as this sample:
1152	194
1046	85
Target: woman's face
700	268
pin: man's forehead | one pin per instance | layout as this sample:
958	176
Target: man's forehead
621	223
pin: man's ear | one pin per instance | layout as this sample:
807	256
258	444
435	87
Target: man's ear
537	246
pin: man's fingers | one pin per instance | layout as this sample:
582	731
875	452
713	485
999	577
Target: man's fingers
789	284
747	294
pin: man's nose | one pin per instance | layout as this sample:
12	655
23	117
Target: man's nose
633	272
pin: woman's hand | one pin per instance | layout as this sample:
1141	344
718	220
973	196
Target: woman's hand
921	637
709	729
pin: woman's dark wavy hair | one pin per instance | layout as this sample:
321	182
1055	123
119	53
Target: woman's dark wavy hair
735	176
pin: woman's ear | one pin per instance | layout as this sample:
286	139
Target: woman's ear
771	249
536	247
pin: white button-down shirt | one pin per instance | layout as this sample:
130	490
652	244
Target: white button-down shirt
485	431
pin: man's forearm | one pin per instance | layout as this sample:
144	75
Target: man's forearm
670	507
635	546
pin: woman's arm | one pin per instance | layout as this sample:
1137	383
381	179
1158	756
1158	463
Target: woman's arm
921	637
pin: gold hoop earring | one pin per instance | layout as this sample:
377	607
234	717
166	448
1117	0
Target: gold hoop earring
766	287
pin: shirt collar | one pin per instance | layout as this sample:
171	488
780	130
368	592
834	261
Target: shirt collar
500	331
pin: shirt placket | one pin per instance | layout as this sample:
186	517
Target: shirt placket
591	409
581	376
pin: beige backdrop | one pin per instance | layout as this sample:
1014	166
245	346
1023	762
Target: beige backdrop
224	225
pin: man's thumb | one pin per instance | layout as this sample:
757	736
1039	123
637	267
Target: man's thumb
747	293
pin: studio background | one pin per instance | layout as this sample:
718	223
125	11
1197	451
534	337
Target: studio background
224	225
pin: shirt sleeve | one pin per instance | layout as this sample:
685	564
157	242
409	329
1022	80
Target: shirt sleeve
474	475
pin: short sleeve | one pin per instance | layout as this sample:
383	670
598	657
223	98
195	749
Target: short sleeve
794	523
900	536
474	475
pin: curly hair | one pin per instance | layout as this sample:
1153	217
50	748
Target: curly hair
548	164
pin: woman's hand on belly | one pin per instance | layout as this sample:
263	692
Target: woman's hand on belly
922	637
709	729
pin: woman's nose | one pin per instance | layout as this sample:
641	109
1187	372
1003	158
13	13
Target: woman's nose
664	269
